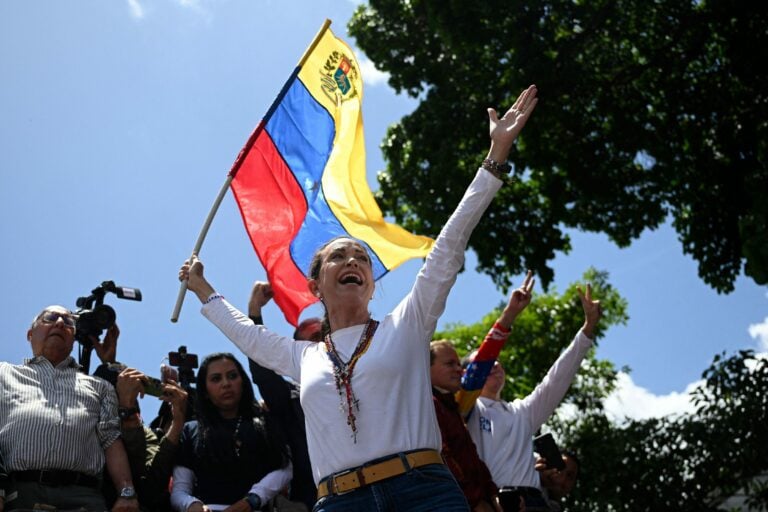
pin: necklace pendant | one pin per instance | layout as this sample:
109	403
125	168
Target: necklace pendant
342	373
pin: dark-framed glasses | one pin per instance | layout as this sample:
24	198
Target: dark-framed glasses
50	317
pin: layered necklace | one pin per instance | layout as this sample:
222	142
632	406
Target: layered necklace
342	372
235	437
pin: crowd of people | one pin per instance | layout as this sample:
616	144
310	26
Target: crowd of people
357	413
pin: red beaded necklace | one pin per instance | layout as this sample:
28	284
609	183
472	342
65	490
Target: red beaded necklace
342	372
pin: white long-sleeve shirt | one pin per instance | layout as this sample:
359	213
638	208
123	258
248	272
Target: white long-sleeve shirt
503	431
184	484
391	380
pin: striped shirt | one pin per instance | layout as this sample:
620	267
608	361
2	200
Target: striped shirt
55	417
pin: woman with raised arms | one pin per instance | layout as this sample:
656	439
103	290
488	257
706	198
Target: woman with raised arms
371	429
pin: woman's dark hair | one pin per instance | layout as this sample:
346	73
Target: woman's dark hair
316	264
214	442
206	411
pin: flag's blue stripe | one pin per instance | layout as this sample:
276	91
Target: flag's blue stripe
303	131
476	374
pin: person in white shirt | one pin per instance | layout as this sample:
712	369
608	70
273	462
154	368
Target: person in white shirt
503	431
372	434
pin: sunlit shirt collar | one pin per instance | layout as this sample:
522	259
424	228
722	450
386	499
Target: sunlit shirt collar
69	362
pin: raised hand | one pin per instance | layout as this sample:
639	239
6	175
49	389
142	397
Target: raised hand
504	130
107	348
261	294
192	272
592	311
130	384
177	397
518	301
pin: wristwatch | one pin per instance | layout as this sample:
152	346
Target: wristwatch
254	500
128	493
126	412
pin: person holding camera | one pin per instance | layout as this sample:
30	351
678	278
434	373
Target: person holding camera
59	427
503	430
151	458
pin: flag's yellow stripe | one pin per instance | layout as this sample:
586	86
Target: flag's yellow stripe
344	181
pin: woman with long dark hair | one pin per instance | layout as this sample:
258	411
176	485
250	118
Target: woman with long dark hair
372	433
230	457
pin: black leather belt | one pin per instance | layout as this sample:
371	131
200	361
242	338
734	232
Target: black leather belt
56	477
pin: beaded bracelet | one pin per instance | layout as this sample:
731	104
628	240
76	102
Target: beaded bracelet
212	298
500	170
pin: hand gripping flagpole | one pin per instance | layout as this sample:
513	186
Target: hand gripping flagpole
239	161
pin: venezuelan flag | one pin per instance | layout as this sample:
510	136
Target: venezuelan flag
477	371
300	179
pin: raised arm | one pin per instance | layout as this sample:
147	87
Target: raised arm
550	392
255	341
592	311
274	390
426	301
481	364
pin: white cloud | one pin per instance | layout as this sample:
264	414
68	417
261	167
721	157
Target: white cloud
760	333
371	75
634	402
137	11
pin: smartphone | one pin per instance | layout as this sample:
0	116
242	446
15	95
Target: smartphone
153	386
546	447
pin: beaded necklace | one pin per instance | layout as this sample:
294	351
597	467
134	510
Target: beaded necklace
237	441
342	372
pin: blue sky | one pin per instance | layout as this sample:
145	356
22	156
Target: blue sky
119	121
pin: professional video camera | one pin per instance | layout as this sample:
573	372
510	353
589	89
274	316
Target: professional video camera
93	316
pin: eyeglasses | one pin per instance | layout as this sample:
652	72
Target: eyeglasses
51	317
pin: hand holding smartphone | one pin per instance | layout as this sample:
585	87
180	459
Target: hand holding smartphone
153	386
546	447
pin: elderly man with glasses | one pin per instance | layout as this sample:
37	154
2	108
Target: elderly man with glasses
58	426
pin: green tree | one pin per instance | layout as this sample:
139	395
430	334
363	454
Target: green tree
689	463
648	110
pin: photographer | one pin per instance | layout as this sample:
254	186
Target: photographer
151	459
59	427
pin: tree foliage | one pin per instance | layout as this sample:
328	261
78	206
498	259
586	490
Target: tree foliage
689	463
648	109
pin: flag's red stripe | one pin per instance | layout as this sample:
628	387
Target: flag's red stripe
273	207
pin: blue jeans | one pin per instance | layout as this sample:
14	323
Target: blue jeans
427	488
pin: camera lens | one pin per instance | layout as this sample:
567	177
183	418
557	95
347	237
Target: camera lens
104	316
